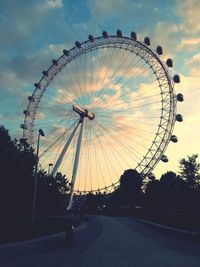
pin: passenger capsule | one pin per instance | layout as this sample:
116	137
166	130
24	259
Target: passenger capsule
55	62
180	97
78	44
119	33
23	126
26	112
105	34
134	36
147	41
174	138
164	158
169	62
159	50
45	73
90	38
31	98
179	117
176	78
66	53
37	85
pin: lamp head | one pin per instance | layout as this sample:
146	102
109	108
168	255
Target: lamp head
41	132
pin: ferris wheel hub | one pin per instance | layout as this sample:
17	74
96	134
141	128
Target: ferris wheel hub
83	112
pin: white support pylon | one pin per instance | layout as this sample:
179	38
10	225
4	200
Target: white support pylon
75	168
59	160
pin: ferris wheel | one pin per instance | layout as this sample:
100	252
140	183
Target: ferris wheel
106	105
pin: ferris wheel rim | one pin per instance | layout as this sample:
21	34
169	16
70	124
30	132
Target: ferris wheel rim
146	164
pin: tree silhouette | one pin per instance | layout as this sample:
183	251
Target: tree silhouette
129	192
190	171
174	190
62	183
17	180
153	194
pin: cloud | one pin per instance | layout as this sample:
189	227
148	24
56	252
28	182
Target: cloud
166	34
193	64
189	43
104	9
54	3
189	11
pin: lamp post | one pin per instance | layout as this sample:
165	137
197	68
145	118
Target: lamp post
49	169
40	133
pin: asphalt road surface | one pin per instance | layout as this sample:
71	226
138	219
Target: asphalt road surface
108	241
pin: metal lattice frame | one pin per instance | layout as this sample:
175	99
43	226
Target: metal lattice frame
160	70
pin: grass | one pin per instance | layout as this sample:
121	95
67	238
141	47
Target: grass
14	230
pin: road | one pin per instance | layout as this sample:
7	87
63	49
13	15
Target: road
108	241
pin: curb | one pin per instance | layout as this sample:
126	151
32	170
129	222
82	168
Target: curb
169	228
19	249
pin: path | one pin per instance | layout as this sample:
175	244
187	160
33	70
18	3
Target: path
118	242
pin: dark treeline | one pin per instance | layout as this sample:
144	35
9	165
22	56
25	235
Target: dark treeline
172	193
18	162
172	199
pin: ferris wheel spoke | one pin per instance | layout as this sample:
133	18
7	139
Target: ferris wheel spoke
127	137
77	79
124	144
113	155
104	158
122	134
57	97
61	95
97	70
118	81
109	66
88	176
87	164
102	65
108	102
99	172
96	165
123	129
56	122
123	60
130	83
134	108
137	128
56	139
108	156
99	163
128	154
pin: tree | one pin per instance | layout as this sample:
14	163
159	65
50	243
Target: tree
62	183
153	194
130	188
190	171
50	193
16	180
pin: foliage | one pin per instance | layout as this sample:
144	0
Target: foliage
18	161
190	170
17	180
129	192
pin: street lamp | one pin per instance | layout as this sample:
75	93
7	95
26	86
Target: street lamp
50	165
40	133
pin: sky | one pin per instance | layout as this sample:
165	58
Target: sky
35	32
